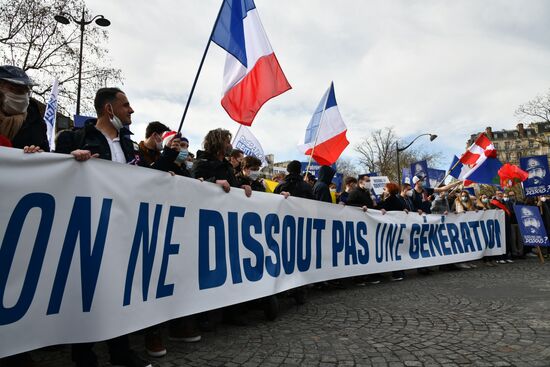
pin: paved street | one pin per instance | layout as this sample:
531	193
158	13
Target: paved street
489	316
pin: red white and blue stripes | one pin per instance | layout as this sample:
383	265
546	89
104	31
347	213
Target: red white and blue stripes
252	74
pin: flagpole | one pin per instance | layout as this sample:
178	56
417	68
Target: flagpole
235	136
318	130
200	68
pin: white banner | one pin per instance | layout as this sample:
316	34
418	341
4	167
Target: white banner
92	250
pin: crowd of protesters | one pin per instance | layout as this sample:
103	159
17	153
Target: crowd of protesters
108	137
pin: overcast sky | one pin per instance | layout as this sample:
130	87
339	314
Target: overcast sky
445	67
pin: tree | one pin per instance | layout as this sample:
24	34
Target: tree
31	39
346	167
537	109
378	153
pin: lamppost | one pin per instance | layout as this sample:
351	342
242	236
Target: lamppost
101	21
400	149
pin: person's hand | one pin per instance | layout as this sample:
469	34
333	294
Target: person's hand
286	194
247	190
420	212
383	211
32	149
172	173
83	155
445	212
224	184
342	203
364	208
406	210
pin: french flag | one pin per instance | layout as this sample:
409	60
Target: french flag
252	74
325	137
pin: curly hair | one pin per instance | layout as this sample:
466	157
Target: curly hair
214	142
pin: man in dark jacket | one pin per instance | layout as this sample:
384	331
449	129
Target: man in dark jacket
151	147
321	190
360	196
294	184
20	119
106	139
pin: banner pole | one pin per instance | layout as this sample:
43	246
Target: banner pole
318	129
200	68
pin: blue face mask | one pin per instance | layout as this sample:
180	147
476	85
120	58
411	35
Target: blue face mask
182	156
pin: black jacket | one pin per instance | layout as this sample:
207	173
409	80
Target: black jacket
392	203
360	197
32	131
321	189
166	162
210	168
90	138
296	186
244	180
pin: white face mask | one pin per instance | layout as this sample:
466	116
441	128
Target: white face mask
115	121
254	175
15	104
367	185
159	145
410	193
189	165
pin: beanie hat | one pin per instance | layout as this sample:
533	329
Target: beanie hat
167	137
294	167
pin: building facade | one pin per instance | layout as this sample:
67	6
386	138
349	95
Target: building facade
522	141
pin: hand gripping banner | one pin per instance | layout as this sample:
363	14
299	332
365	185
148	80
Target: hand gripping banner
92	250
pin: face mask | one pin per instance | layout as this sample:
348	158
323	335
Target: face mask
464	198
15	104
182	156
543	199
485	201
254	175
367	185
505	199
332	190
410	193
115	121
189	165
512	198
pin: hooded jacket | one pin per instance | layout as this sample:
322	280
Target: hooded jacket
295	185
321	191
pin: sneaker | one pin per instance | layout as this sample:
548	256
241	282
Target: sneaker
396	279
129	359
473	266
510	261
153	344
184	330
463	266
501	261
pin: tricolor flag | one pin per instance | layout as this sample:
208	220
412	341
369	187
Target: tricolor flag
50	114
325	137
252	73
481	163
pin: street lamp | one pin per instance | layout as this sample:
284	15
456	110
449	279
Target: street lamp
400	149
101	21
